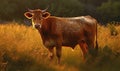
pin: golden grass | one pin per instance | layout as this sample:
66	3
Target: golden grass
23	43
105	38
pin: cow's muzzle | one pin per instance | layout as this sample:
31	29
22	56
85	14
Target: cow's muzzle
37	26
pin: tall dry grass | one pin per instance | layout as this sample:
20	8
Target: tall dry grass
106	39
21	49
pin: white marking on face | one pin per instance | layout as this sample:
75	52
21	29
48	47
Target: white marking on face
33	24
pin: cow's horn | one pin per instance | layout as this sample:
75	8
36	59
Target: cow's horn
45	10
30	10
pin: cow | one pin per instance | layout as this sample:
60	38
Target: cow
64	31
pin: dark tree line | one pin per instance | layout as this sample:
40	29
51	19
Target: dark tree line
103	10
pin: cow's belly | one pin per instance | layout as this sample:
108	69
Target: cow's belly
69	44
52	43
68	40
72	39
72	42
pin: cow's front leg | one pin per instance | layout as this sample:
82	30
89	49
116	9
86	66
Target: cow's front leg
59	47
58	53
51	52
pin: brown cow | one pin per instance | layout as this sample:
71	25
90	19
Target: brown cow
58	32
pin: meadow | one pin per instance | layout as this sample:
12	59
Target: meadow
21	49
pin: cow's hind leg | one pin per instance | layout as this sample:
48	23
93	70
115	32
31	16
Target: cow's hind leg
91	48
84	48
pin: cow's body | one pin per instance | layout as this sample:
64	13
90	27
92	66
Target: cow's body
58	32
70	31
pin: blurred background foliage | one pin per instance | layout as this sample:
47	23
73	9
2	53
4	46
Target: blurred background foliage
103	10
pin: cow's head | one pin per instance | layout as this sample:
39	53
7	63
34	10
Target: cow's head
37	16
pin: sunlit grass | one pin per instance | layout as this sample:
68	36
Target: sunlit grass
105	38
22	49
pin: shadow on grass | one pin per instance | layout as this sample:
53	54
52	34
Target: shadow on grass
106	60
24	62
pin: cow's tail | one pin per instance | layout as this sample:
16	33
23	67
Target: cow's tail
96	47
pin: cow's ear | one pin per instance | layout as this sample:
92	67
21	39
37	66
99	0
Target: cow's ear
46	15
28	15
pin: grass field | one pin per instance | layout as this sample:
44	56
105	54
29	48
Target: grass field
21	49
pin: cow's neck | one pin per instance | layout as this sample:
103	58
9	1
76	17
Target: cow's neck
44	30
